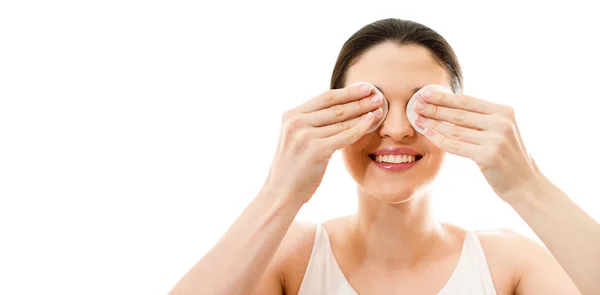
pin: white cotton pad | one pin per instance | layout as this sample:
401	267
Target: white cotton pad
384	108
410	107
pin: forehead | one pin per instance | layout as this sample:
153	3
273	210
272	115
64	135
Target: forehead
397	68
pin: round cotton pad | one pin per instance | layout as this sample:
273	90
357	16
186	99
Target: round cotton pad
410	107
384	109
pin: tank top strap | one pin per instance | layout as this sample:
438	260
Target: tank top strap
323	275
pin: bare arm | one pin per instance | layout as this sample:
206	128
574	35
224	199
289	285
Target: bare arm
310	134
570	234
237	263
487	133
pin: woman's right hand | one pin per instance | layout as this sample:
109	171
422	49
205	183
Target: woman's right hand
313	131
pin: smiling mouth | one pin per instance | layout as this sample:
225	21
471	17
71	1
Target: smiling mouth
395	159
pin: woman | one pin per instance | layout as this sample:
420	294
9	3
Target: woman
393	244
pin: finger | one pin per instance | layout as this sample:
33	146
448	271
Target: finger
351	135
459	148
455	132
458	101
339	127
333	97
455	116
343	112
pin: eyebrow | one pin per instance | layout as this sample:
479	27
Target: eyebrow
415	90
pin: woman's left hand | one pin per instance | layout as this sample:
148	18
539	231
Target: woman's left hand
483	131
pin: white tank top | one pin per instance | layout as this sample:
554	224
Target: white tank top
323	275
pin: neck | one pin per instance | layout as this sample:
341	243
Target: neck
396	234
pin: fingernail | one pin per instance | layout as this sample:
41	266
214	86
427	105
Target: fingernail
421	120
377	112
429	132
419	105
427	93
376	98
366	89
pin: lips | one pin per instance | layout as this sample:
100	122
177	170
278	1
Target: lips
395	158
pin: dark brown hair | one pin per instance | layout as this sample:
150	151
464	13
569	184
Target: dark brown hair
401	32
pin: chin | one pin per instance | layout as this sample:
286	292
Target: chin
396	192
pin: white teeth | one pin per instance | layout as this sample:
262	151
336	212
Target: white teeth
396	159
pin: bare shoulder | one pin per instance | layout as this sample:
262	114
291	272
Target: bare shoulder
299	239
294	253
504	239
514	248
523	262
506	251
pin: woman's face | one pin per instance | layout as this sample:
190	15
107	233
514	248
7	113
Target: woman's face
398	71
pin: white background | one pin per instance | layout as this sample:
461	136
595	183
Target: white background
132	133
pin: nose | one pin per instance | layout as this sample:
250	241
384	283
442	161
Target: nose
396	125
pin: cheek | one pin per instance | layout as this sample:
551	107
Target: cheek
354	156
353	159
432	148
436	154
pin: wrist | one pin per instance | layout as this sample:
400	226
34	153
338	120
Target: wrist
529	192
537	190
281	198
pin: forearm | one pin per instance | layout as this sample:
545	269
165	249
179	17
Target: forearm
237	262
570	234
